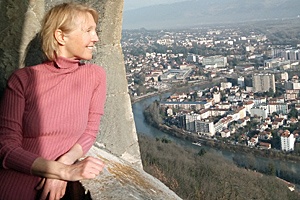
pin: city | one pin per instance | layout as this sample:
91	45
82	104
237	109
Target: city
255	99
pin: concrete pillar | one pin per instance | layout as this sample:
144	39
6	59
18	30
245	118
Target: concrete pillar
118	132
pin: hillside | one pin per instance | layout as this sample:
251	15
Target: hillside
200	12
204	175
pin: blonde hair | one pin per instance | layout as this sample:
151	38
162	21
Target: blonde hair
63	17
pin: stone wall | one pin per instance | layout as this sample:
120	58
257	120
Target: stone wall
20	22
117	143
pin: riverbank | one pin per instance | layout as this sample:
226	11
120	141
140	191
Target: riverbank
176	87
217	144
287	170
220	145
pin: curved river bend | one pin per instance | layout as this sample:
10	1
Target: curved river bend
143	128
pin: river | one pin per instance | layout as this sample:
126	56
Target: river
143	128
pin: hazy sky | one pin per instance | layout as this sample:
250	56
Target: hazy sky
133	4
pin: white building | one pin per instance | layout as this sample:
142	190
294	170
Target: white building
170	112
242	112
225	133
261	111
190	121
167	42
284	76
277	62
241	81
217	111
175	74
290	95
225	85
191	105
234	115
292	85
217	97
259	101
287	141
220	61
224	105
280	108
223	123
205	113
191	58
205	127
248	105
263	82
292	54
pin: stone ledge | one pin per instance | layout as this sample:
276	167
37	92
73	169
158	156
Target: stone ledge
122	180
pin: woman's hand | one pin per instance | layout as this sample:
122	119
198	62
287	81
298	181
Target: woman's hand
64	169
87	168
54	189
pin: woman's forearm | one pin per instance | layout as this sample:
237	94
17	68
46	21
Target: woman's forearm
87	168
65	168
72	155
49	169
56	169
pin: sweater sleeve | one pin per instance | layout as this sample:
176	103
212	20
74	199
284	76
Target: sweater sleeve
12	155
96	110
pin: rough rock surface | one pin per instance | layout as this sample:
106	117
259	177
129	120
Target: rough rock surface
121	180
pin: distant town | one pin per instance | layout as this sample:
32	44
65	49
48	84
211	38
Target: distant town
256	101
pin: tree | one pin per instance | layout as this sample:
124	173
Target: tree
270	93
141	90
178	60
279	92
251	161
137	51
293	113
274	114
201	152
153	113
160	48
271	170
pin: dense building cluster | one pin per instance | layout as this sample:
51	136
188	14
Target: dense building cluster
261	84
225	110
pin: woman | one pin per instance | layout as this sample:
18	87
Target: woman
50	113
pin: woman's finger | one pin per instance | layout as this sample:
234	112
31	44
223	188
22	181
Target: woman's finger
41	184
44	194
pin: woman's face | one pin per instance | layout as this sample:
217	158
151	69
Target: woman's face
80	42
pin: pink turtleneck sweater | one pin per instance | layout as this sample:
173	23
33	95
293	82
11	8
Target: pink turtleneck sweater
46	109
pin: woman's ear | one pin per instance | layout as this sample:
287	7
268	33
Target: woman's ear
59	36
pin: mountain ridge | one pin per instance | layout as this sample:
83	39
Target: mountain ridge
198	12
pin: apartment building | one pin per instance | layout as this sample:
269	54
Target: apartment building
220	61
190	121
259	111
263	82
205	127
241	81
287	141
280	108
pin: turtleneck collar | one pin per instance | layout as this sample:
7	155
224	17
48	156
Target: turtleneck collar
64	65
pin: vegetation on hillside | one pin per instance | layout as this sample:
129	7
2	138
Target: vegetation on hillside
204	175
153	114
246	157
